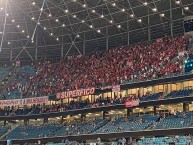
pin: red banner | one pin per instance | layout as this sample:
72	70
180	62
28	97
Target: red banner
116	88
75	93
26	101
132	103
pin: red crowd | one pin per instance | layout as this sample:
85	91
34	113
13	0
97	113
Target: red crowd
115	66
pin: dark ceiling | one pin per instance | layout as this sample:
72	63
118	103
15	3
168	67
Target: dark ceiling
71	27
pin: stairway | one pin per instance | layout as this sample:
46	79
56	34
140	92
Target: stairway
5	134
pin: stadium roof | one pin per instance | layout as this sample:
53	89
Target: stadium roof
37	29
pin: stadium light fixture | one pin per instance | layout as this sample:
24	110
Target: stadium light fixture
84	5
13	21
33	3
8	43
18	26
74	16
57	39
44	28
7	14
49	15
111	21
63	25
118	26
91	26
1	8
38	23
33	18
186	8
27	36
162	15
132	15
154	9
23	31
113	4
123	10
102	16
83	21
77	35
139	20
56	20
66	11
177	2
93	11
99	31
145	3
51	34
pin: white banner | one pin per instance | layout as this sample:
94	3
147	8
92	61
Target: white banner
116	88
26	101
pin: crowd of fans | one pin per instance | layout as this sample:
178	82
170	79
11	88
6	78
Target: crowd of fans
115	66
87	104
111	67
72	105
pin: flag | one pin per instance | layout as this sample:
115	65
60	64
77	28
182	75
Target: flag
159	40
181	53
131	103
129	63
17	63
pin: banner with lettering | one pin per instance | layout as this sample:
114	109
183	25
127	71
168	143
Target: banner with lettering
116	88
132	103
26	101
75	93
106	87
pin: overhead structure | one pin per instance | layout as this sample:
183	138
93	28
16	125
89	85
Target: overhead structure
38	29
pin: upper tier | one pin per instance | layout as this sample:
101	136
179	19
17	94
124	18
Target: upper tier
111	67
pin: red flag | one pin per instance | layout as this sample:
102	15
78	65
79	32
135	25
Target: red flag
128	104
129	63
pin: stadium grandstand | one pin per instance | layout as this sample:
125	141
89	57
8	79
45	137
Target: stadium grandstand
96	72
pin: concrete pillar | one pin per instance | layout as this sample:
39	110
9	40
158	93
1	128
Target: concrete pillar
61	101
141	91
24	107
83	117
104	114
80	99
44	105
126	92
129	112
4	123
182	85
154	110
26	121
185	107
170	86
62	119
102	96
45	120
153	89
